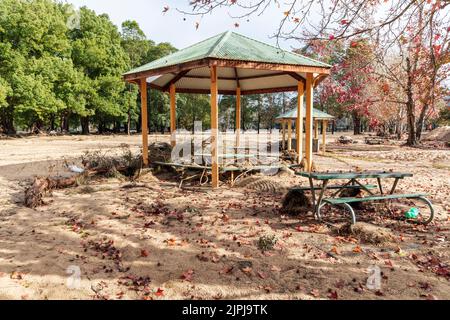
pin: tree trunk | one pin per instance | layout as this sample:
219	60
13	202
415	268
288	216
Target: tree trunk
84	125
421	122
65	123
356	123
7	121
129	122
412	139
52	122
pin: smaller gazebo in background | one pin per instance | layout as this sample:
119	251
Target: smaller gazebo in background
287	118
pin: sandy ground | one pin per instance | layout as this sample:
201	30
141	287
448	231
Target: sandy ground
105	240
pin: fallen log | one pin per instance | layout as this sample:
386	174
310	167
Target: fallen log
42	185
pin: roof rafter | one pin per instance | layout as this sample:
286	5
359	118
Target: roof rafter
175	79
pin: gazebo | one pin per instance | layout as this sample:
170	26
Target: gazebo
230	64
287	118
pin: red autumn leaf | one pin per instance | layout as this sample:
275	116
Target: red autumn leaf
159	292
226	270
344	21
333	295
144	253
331	37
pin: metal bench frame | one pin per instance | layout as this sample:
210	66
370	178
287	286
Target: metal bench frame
346	203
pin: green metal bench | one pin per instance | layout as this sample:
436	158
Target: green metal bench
346	203
335	187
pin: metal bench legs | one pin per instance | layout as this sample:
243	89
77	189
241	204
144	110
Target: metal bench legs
345	205
353	215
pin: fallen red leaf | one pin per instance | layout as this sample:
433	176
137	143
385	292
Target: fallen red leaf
159	292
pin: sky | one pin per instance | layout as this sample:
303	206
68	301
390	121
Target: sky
170	26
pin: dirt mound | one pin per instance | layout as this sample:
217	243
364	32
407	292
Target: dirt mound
263	184
295	202
441	134
366	232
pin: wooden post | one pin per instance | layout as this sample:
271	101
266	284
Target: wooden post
238	116
283	130
309	120
173	115
324	135
316	129
144	120
214	128
299	125
289	134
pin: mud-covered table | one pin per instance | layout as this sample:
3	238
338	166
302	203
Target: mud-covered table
353	182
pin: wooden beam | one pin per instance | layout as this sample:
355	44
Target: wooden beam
283	128
226	64
289	135
238	116
309	120
299	124
169	69
324	135
175	79
319	79
144	120
214	128
259	76
296	76
268	66
229	92
236	75
173	115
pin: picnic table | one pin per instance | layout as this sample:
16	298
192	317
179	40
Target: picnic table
353	182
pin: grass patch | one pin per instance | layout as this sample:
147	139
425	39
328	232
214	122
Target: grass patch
441	166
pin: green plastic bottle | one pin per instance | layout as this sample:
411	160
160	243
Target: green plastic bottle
413	213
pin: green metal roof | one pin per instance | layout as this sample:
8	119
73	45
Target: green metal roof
231	46
317	114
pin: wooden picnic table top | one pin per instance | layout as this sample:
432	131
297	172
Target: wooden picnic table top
228	156
354	175
242	148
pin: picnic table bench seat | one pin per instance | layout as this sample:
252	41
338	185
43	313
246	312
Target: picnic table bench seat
346	203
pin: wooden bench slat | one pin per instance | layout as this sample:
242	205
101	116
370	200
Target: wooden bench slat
374	198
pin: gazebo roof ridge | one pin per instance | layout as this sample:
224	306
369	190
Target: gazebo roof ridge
292	115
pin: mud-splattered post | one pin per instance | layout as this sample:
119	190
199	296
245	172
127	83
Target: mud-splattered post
299	123
309	120
144	119
238	116
214	127
173	114
324	135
